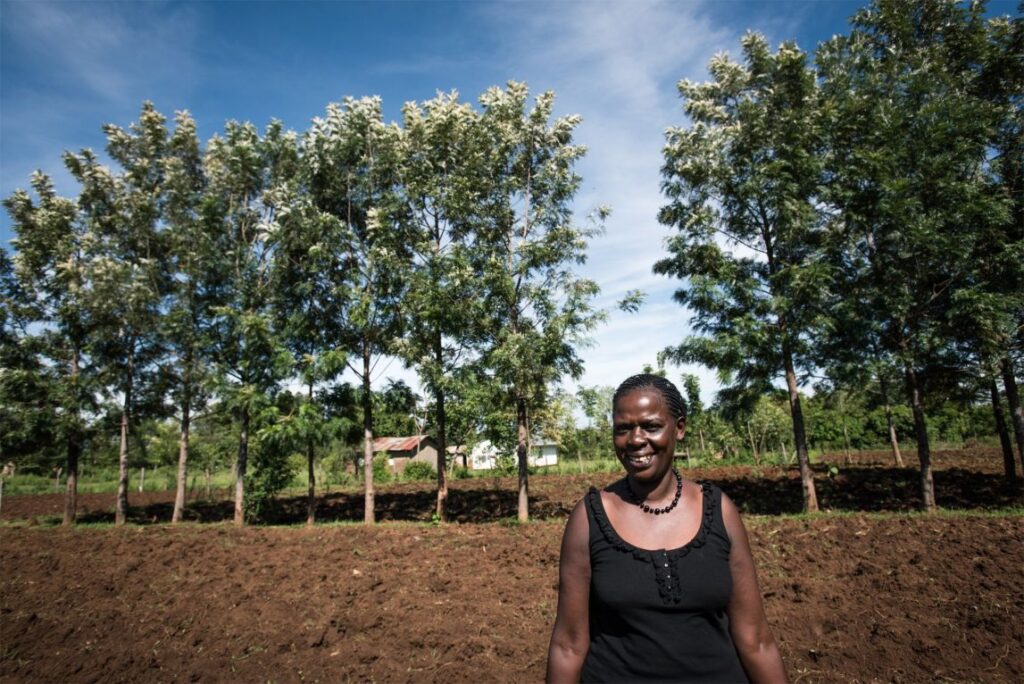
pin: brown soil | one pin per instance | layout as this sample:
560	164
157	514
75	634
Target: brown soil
850	597
964	479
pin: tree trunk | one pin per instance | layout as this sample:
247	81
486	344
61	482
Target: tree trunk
522	436
74	452
799	433
847	460
703	449
753	445
894	443
1009	465
240	465
311	475
142	478
924	454
186	417
121	509
846	441
1013	399
208	477
74	448
369	514
442	437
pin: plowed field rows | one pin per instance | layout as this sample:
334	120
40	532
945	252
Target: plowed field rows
854	597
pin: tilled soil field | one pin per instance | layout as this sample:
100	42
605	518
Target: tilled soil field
851	597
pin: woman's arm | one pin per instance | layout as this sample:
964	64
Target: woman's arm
757	649
570	638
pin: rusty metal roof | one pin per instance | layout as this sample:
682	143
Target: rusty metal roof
397	443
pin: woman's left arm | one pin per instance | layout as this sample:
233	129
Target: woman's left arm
757	649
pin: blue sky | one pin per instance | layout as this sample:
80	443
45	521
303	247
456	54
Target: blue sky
68	68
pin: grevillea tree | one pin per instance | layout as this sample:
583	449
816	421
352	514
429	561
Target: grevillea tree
538	310
742	182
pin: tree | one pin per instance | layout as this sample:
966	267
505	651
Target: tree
353	159
50	269
29	433
746	173
538	310
694	411
194	287
1003	82
311	296
251	185
596	404
907	136
126	270
442	176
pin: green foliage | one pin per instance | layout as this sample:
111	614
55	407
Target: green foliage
381	470
271	474
418	470
915	101
743	184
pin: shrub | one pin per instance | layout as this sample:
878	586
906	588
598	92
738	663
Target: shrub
381	469
418	470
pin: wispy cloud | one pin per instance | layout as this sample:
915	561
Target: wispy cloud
116	51
70	65
616	64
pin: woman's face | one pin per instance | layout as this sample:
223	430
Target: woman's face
645	434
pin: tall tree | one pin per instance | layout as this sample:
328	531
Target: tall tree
538	310
251	185
50	267
907	134
1003	85
742	183
311	294
353	159
442	177
191	243
127	276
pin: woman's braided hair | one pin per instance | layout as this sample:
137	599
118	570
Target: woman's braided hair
673	399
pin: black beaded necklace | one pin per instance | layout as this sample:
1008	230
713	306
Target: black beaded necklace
646	508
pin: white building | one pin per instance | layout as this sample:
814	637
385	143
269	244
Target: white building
484	455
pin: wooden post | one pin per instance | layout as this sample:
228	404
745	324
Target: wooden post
753	445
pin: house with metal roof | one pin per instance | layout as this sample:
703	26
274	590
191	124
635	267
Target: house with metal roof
402	450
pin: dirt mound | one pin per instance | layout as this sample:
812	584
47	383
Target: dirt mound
851	598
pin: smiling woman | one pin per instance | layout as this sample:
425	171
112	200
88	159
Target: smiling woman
657	580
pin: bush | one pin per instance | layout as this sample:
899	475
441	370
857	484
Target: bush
381	469
418	470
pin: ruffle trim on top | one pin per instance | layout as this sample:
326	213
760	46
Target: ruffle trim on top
664	561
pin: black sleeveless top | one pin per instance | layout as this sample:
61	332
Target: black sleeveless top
659	615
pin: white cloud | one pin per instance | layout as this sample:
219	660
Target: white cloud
116	51
616	64
98	62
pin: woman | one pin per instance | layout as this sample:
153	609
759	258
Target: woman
657	580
